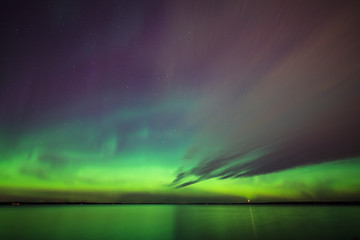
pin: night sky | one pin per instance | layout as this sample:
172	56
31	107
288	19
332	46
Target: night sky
179	101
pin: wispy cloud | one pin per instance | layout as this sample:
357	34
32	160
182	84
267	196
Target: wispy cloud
303	108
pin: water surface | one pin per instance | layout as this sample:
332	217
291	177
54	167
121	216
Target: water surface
179	222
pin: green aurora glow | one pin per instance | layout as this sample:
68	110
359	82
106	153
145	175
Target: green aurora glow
69	163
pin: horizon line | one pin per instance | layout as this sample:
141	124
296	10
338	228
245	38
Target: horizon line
16	203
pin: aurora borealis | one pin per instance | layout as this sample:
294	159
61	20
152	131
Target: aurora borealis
179	101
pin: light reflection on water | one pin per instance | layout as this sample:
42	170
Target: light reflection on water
253	223
179	222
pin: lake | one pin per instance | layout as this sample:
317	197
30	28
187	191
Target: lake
179	222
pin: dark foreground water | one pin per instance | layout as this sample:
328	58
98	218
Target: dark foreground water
179	222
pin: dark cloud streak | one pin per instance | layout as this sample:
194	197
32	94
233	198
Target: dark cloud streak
305	106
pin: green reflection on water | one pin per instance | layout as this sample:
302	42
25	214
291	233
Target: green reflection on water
179	222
